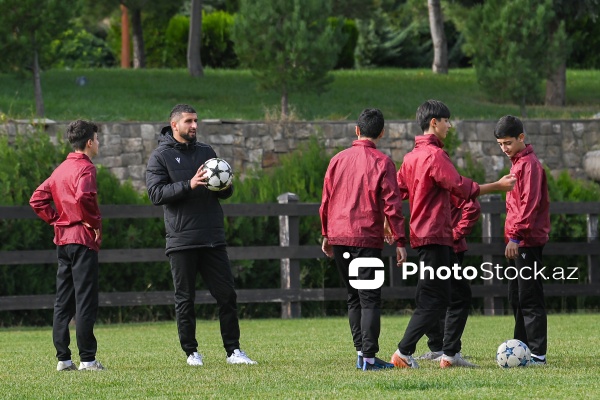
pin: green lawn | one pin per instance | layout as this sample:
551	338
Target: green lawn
149	95
304	358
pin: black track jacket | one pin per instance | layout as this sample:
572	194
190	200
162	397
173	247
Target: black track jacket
193	218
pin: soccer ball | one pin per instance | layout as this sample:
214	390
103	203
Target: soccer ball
219	175
513	353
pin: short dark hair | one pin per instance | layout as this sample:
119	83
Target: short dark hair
508	126
180	109
79	132
370	122
429	110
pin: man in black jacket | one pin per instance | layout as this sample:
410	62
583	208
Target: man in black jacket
195	231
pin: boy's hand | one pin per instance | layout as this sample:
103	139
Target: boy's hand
400	255
507	183
327	248
512	250
387	232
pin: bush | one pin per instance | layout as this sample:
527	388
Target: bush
350	38
217	46
77	48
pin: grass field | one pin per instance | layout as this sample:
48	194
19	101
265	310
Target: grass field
149	95
298	359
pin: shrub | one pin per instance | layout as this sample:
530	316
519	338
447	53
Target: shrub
77	48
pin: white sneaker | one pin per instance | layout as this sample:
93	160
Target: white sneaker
195	360
456	361
96	366
239	357
66	366
431	355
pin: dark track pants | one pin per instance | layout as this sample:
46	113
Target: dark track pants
76	296
445	336
432	299
213	265
364	306
526	297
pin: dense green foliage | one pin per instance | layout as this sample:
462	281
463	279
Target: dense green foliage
512	52
288	45
77	48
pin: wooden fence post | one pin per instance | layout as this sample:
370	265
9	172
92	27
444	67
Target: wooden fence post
289	235
492	232
593	260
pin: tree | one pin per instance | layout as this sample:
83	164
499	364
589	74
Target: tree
440	45
194	61
511	50
288	44
556	78
26	27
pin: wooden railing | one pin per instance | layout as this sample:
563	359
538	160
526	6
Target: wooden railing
291	253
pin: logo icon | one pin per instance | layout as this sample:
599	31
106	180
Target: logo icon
178	160
523	255
366	262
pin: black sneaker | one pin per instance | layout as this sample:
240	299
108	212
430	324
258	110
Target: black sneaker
377	365
535	362
359	362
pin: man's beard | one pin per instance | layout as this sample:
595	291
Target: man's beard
188	137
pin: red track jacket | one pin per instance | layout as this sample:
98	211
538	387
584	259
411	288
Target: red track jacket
359	191
528	204
428	179
465	214
72	188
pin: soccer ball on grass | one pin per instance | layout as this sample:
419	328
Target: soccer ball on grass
513	353
219	176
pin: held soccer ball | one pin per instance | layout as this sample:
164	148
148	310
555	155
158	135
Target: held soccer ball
513	353
219	175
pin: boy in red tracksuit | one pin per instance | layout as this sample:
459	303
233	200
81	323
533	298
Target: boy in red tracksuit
359	192
76	219
526	231
430	179
465	215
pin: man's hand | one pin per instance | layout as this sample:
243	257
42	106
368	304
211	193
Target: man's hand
327	248
199	179
401	255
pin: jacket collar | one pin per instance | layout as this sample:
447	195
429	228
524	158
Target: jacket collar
527	150
364	143
78	156
422	140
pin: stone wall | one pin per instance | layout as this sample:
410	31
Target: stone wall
125	147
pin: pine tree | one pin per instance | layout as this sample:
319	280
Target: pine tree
288	44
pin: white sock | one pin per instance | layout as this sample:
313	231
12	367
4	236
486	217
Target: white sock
539	357
370	360
67	362
359	353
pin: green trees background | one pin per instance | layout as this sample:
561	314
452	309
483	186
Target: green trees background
558	34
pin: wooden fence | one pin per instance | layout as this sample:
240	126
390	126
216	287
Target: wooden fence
291	253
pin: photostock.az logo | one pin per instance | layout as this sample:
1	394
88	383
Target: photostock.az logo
365	262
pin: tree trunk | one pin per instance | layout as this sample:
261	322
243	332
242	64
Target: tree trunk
194	60
37	82
139	54
125	49
284	104
556	86
438	37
